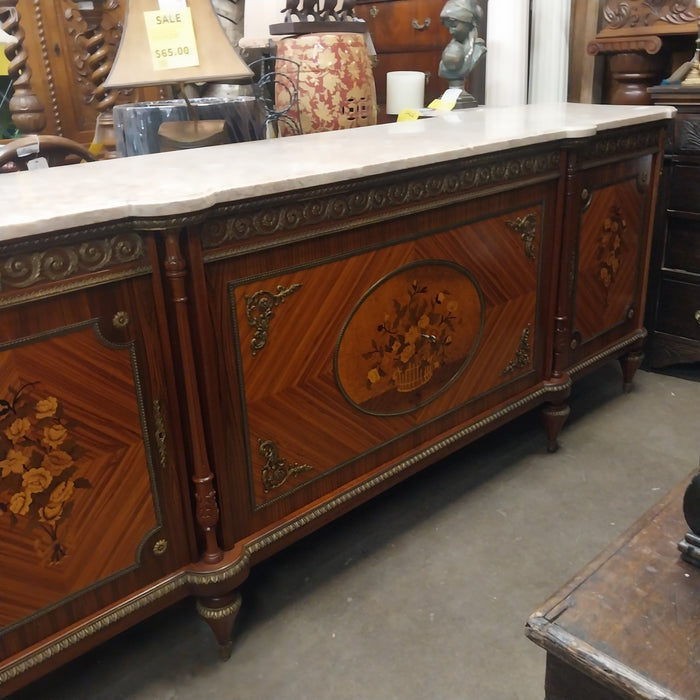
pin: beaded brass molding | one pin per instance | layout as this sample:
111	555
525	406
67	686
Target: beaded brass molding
63	262
160	434
523	354
339	203
259	312
526	226
276	471
609	352
219	613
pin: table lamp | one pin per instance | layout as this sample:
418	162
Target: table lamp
173	42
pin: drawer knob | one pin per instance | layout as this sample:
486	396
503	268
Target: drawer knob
420	27
697	315
373	11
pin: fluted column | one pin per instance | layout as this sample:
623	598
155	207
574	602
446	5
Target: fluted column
549	52
507	39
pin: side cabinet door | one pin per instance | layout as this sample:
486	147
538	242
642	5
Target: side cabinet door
608	261
90	499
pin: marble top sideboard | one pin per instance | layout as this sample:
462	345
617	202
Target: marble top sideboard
171	184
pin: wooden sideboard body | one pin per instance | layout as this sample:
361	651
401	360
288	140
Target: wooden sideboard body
193	381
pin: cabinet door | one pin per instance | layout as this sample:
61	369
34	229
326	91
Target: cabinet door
90	480
338	362
608	263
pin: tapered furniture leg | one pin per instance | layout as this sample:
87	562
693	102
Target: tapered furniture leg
553	417
630	364
221	612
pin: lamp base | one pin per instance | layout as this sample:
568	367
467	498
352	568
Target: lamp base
177	136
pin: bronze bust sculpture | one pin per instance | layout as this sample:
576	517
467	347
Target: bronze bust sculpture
462	19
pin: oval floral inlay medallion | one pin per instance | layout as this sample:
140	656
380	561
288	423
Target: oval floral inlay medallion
409	337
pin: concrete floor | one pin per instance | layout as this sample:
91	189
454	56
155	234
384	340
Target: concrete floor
423	593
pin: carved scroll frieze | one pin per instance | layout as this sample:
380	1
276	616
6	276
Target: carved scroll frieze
259	312
276	471
333	205
627	142
631	14
61	263
523	355
526	226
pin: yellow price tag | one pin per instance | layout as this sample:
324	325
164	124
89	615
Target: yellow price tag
171	38
441	105
4	62
408	115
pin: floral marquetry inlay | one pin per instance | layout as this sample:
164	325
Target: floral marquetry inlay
610	248
39	468
418	328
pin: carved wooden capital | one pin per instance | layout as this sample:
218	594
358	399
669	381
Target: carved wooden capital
650	44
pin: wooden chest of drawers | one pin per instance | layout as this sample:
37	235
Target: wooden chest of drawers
673	304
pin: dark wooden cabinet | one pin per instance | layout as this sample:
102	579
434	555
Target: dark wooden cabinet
673	307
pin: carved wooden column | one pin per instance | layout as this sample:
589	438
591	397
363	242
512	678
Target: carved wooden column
27	110
635	39
99	62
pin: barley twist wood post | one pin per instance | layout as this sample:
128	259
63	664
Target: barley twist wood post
100	63
27	111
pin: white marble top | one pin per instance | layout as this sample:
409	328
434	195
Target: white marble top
168	184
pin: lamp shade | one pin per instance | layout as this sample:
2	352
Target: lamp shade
166	42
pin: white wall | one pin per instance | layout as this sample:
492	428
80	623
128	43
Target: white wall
549	55
507	52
